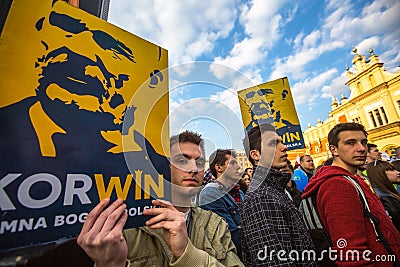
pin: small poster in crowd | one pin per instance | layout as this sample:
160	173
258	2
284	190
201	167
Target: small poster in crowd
272	103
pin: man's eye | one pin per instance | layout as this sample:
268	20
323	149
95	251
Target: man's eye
200	164
272	143
181	161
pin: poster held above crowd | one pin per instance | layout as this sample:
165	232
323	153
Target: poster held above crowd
272	103
72	116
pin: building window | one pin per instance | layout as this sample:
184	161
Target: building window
372	118
372	80
384	115
357	120
359	87
378	117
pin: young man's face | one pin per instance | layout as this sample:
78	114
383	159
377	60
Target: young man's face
351	151
307	163
230	169
249	171
273	151
187	164
374	154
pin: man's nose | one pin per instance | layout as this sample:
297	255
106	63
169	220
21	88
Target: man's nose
192	167
361	147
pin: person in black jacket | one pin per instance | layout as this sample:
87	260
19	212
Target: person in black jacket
383	175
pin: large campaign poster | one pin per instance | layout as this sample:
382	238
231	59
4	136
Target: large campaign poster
272	103
83	117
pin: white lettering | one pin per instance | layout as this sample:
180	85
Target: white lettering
6	226
263	257
5	201
21	225
24	224
40	223
25	198
58	220
70	189
69	219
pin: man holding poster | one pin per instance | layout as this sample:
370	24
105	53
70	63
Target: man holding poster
81	99
177	234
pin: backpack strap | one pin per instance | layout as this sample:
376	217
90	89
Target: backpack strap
374	220
309	212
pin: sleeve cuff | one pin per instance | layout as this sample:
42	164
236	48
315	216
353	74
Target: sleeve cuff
191	257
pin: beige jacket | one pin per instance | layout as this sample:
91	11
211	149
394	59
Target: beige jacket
210	244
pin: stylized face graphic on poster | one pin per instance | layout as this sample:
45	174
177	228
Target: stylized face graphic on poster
272	103
79	97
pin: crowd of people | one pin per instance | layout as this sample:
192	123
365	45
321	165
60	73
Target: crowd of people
225	217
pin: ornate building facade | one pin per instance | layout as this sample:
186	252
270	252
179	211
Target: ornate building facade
374	102
242	160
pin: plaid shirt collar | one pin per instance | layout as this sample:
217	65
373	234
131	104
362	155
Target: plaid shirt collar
266	176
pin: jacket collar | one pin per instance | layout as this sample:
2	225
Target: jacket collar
269	177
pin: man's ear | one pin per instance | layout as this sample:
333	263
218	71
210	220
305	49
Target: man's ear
255	155
333	150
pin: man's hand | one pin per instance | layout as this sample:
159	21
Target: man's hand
101	235
174	225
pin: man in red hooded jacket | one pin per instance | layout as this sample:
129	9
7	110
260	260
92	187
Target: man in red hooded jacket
339	205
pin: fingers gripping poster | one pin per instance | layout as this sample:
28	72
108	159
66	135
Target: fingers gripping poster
84	116
272	103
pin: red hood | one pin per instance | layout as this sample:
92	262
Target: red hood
321	176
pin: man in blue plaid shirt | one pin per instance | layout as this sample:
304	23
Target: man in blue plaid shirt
273	233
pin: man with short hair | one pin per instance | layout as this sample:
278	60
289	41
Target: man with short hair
373	153
223	195
249	171
302	175
271	224
339	206
176	234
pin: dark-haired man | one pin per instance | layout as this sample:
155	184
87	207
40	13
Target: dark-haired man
223	195
339	205
271	224
176	234
373	153
302	175
249	171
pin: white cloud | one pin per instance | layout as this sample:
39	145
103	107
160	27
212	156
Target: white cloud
306	90
262	23
197	114
295	66
364	46
343	27
336	87
187	29
228	98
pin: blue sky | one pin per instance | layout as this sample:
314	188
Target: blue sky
244	43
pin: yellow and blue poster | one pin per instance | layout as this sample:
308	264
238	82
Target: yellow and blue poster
83	115
272	103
